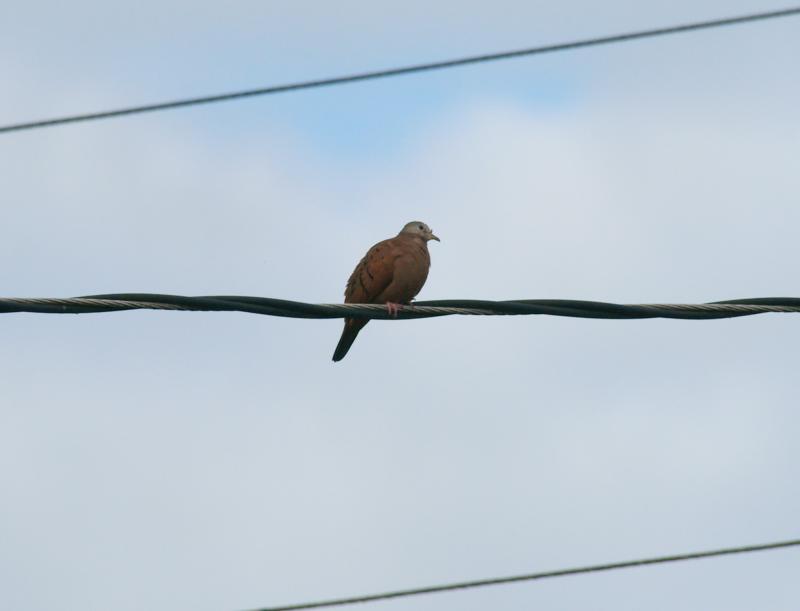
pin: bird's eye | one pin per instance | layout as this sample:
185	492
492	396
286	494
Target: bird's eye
421	228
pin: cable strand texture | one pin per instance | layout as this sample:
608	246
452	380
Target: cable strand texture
422	309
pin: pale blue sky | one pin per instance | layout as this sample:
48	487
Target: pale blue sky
153	460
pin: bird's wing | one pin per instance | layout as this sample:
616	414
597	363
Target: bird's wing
372	274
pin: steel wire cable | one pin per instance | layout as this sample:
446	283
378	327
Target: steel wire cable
532	576
391	72
420	309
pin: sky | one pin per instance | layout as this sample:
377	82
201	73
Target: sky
207	461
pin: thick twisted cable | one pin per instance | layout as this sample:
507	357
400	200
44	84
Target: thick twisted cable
422	309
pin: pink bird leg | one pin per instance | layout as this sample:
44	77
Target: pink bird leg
393	308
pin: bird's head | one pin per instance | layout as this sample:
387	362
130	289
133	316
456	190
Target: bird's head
418	228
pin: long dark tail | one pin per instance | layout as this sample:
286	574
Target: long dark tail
351	328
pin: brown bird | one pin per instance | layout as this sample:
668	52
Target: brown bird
392	272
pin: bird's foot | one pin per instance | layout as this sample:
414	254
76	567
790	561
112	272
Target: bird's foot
393	308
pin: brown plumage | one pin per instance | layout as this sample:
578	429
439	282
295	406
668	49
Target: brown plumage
392	272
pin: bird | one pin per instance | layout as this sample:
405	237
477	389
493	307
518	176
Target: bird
392	272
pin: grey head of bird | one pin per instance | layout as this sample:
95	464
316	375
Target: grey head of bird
418	228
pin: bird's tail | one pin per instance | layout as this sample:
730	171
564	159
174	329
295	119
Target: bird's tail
351	328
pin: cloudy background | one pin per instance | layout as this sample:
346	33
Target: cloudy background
212	461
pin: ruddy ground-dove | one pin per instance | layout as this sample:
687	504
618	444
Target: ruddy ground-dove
392	272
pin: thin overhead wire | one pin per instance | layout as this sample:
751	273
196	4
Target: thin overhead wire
420	309
377	74
335	602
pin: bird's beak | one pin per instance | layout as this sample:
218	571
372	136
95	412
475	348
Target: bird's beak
433	237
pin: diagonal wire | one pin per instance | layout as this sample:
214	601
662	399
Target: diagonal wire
533	576
365	76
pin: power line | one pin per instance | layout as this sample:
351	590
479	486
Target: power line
364	76
420	309
532	576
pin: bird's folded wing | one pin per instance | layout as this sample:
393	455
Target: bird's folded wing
373	274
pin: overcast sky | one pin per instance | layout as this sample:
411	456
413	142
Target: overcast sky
215	461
